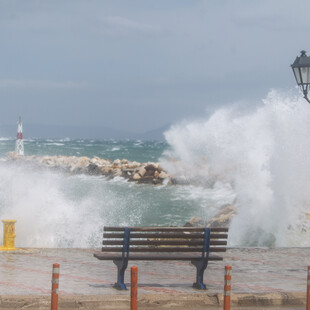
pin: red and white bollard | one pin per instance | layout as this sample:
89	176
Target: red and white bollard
134	288
55	285
227	287
308	289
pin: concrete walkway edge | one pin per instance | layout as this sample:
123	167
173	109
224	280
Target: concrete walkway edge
154	301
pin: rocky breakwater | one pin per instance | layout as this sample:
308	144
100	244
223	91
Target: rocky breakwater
147	173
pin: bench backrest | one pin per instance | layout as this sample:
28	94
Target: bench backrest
164	239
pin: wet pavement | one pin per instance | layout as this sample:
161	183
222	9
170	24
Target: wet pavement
254	270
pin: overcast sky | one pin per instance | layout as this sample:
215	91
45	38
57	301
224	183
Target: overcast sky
137	65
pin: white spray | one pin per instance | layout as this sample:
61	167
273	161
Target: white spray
264	155
46	214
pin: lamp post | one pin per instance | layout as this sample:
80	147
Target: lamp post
301	69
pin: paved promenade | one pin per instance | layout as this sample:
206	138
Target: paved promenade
265	273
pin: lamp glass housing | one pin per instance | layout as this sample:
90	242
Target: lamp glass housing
301	70
305	75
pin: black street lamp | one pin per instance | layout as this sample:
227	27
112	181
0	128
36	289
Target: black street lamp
301	69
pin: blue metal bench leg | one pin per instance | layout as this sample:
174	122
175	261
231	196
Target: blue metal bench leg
202	264
121	267
123	262
201	267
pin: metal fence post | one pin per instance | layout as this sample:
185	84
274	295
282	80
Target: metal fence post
134	288
308	289
227	287
55	285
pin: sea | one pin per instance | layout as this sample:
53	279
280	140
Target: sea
256	158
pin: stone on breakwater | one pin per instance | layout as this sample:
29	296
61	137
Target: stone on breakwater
221	219
141	171
136	177
195	222
150	173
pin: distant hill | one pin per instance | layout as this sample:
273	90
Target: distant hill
80	132
155	134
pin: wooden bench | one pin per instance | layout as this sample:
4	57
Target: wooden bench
193	244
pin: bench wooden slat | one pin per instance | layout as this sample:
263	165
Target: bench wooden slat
164	242
166	229
185	257
162	249
165	235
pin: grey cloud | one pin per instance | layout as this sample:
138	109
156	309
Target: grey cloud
48	19
275	22
118	25
272	15
137	65
39	84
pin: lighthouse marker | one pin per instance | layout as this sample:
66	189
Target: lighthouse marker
19	147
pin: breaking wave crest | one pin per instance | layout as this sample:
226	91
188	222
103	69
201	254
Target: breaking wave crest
264	154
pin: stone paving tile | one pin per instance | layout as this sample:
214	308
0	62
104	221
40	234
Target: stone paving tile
254	270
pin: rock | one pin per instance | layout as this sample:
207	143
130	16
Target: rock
146	180
157	181
76	168
150	167
94	161
141	171
126	173
180	180
93	169
136	177
163	175
150	170
11	155
129	171
117	162
223	217
195	222
117	172
133	165
83	161
106	171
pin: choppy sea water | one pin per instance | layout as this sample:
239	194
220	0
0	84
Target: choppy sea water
137	150
257	159
57	210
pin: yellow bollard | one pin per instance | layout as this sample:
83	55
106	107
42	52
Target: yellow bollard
8	235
